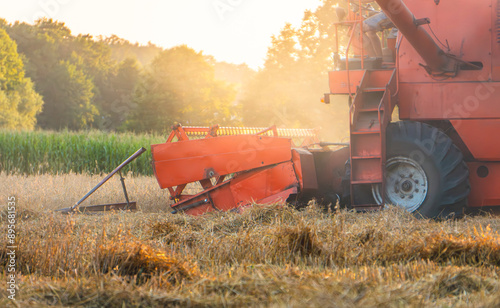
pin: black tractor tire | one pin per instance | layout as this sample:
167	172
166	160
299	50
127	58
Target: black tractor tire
417	150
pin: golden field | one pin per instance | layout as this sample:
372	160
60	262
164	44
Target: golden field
270	256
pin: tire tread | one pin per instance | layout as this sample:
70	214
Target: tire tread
447	159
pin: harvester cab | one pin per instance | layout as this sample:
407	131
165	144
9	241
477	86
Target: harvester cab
442	72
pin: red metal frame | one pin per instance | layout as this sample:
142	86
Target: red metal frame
270	184
354	19
234	166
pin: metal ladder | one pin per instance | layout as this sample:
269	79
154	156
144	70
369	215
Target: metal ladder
370	114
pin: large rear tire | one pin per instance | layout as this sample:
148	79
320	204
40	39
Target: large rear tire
425	172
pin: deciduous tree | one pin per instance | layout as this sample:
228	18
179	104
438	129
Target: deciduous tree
180	86
19	102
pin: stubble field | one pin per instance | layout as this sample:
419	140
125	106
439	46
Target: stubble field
268	256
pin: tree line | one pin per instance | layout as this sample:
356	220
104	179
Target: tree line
53	79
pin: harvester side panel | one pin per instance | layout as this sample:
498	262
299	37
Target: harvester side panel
484	179
261	185
449	101
495	41
183	162
340	80
481	137
265	185
463	25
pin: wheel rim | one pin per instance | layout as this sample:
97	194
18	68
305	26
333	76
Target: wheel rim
406	184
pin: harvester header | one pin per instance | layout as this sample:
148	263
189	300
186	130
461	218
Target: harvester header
235	167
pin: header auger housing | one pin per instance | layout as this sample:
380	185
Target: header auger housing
442	74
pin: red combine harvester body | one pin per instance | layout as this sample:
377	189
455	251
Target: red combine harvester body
442	73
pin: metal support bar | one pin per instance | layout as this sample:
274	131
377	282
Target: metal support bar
122	179
327	144
117	169
190	206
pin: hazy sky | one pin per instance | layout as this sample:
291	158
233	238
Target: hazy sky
234	31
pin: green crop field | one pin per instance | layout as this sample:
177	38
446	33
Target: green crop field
92	152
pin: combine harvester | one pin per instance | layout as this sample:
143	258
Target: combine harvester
439	159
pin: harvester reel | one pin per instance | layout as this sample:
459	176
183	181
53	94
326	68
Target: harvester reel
425	172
